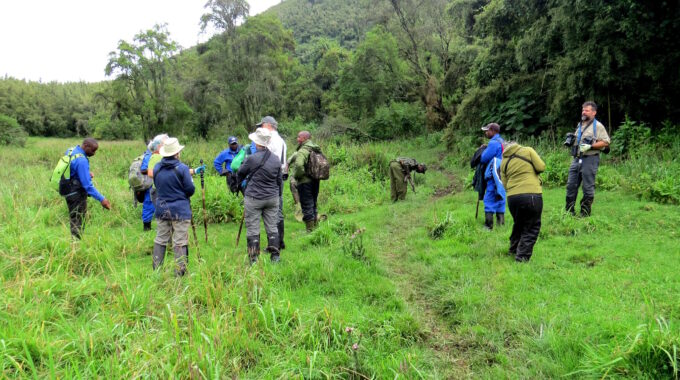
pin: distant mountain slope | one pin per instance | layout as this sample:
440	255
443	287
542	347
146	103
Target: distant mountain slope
345	21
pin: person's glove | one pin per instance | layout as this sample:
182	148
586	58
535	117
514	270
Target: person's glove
285	176
584	148
200	169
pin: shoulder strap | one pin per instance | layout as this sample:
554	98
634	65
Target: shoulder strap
514	155
264	159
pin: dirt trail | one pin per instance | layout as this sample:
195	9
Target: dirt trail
438	335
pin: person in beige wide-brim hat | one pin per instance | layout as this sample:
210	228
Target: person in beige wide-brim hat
262	172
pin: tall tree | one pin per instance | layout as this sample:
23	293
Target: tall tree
224	15
142	70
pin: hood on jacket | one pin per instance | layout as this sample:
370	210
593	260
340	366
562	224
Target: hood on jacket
511	148
169	163
311	146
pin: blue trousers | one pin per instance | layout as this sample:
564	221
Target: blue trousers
147	207
492	203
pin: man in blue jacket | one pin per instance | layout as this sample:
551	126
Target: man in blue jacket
223	161
494	198
174	188
80	185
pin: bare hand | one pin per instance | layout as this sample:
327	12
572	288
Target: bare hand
91	175
106	204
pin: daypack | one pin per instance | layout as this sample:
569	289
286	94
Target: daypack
138	182
61	175
238	159
318	166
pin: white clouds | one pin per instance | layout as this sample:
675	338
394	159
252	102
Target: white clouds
69	40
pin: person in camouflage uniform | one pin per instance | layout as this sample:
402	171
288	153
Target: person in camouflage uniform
400	173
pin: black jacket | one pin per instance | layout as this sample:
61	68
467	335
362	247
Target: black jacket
263	182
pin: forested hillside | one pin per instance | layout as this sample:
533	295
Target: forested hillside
376	70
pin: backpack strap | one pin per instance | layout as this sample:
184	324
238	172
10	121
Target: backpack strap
514	155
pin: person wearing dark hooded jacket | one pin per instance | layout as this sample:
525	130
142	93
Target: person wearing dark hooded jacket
174	188
262	173
519	174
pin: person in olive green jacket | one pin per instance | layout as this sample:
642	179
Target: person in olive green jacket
307	187
519	174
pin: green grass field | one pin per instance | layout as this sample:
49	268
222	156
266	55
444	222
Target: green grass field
421	291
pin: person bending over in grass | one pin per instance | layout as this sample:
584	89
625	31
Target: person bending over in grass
174	188
80	185
262	173
519	173
400	174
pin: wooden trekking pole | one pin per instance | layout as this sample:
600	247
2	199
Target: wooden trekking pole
205	217
193	228
240	227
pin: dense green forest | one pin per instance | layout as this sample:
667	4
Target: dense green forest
375	70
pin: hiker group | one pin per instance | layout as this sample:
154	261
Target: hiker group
164	185
505	172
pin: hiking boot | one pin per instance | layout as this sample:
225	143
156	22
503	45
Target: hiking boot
488	220
571	202
253	249
310	224
586	206
273	247
181	258
147	226
281	229
158	255
500	219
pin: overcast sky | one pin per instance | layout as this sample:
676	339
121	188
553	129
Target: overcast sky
70	40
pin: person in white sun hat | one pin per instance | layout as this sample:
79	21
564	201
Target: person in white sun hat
262	173
174	188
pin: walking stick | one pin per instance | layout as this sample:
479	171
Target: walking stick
193	228
477	209
205	217
413	186
240	227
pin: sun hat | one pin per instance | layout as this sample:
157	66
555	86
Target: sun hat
261	136
171	147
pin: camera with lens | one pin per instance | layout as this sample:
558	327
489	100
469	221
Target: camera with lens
570	140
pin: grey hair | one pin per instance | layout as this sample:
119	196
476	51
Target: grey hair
158	140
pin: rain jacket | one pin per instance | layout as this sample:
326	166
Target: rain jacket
298	166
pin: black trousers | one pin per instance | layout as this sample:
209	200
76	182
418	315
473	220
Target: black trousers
526	212
309	192
77	208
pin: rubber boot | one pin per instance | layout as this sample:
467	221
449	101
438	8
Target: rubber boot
253	249
158	255
181	255
586	206
571	203
500	219
488	220
273	247
280	228
310	224
147	226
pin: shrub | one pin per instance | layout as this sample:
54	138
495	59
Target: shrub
11	133
397	119
103	127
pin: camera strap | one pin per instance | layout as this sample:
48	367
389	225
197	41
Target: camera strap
579	133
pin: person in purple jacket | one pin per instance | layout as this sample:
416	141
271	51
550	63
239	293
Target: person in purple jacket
80	185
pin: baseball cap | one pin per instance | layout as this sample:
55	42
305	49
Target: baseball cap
268	119
492	126
232	140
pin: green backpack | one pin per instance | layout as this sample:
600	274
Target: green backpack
61	176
